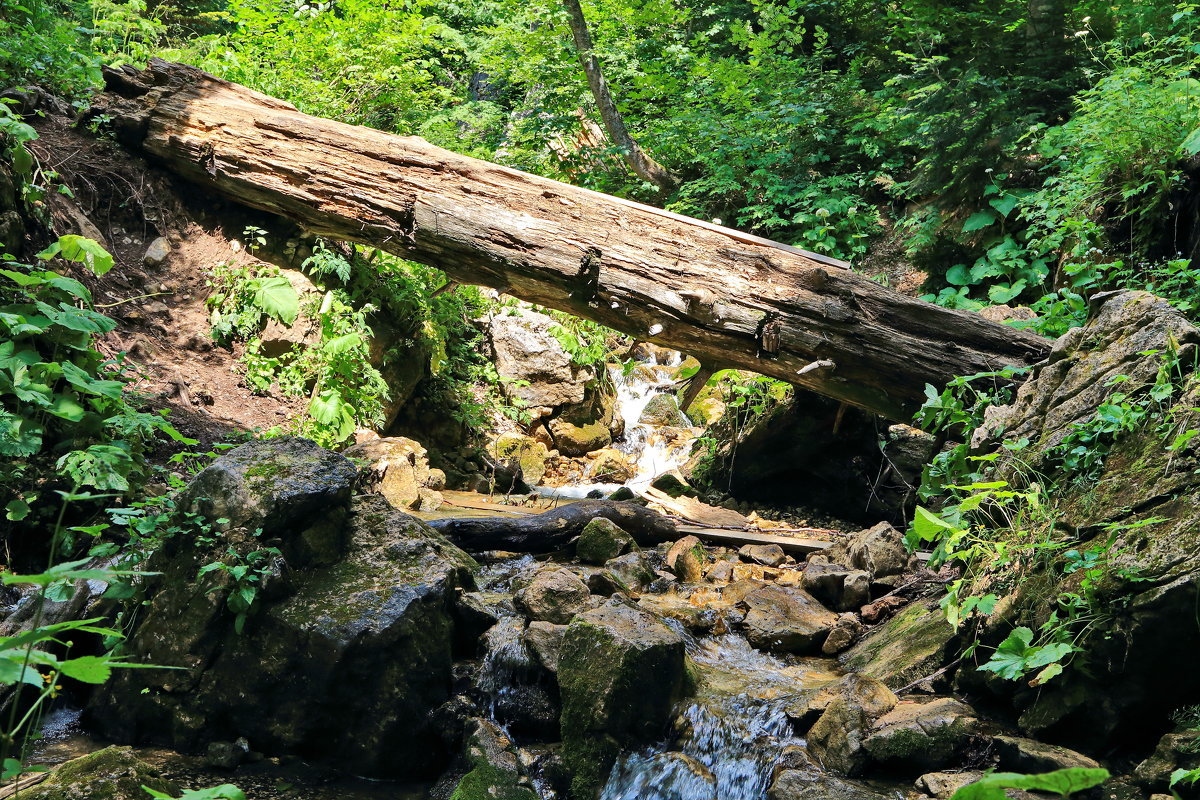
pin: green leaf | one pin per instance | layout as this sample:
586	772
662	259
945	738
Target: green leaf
66	406
958	275
326	407
978	221
81	250
1010	659
929	526
86	669
1002	293
1191	144
1063	782
86	383
342	344
17	510
277	298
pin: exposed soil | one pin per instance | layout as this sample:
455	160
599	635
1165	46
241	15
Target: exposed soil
162	319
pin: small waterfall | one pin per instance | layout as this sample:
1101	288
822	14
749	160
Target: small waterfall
651	448
507	664
730	737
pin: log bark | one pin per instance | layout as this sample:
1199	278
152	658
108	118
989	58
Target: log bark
728	298
551	530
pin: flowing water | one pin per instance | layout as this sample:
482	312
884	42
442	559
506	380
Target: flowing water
730	737
653	449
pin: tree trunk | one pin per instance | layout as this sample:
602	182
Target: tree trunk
728	298
642	164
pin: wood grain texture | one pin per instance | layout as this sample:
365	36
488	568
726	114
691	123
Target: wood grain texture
728	298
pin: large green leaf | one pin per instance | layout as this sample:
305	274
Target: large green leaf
65	405
1191	145
277	298
1011	658
82	250
1063	782
342	344
87	669
978	221
84	382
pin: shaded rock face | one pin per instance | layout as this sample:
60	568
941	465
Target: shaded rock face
1141	665
532	364
276	484
620	672
346	648
813	451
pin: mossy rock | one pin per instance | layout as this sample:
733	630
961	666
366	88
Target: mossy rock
486	782
350	656
114	773
601	540
909	646
523	451
663	410
620	672
922	736
578	440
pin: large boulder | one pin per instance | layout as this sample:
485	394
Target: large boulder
912	645
620	672
801	784
589	425
334	644
114	773
532	364
847	709
838	587
922	736
663	410
1139	653
518	451
601	540
555	594
277	485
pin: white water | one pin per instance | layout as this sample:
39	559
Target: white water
652	452
730	737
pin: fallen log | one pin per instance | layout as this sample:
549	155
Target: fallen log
551	530
728	298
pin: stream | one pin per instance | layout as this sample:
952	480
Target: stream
654	449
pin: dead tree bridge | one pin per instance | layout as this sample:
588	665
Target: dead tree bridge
728	298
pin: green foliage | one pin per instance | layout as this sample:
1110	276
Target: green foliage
1062	782
41	44
587	343
243	296
246	573
57	393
